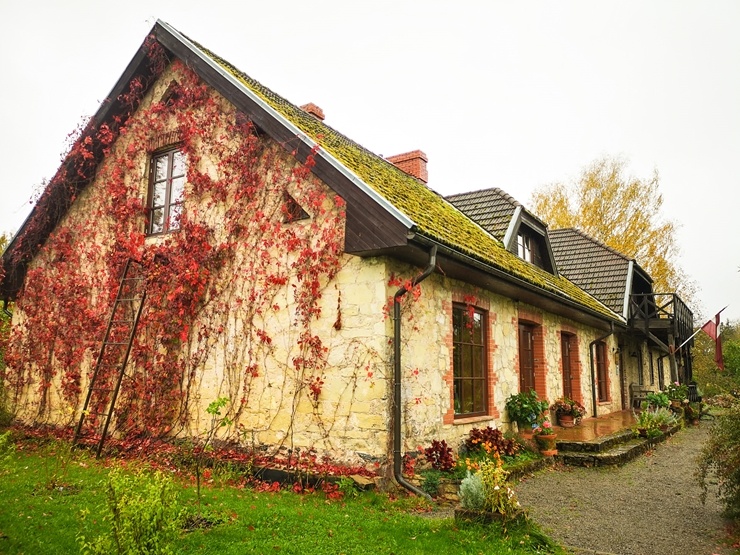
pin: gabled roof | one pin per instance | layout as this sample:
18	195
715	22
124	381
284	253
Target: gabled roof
503	216
388	211
604	272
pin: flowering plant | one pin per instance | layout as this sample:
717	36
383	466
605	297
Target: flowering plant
526	409
568	406
545	428
677	391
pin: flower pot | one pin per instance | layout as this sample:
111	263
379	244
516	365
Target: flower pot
549	452
566	420
675	403
547	442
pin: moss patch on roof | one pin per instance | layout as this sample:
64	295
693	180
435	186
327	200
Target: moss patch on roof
434	217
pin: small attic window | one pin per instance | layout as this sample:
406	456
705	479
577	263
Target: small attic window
292	211
530	246
172	93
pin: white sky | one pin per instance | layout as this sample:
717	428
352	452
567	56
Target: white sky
508	94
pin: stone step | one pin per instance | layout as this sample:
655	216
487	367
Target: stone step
614	449
596	445
618	454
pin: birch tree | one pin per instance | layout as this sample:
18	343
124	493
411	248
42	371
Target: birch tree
624	213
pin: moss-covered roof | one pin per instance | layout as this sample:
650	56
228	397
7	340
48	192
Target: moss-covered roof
434	217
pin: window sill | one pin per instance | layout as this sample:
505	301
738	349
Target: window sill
471	419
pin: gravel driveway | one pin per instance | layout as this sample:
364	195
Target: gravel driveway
650	506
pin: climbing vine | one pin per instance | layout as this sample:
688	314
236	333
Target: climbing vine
233	296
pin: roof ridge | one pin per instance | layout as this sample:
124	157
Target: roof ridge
503	194
593	240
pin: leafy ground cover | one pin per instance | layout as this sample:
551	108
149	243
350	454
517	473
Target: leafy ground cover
50	498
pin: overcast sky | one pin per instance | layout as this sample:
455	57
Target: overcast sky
510	94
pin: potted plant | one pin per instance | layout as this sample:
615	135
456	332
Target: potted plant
526	409
546	437
677	393
568	412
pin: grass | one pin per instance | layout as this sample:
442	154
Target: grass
44	491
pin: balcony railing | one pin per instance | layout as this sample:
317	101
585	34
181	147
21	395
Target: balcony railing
666	311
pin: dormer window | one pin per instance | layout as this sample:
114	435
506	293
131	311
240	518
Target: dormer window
528	248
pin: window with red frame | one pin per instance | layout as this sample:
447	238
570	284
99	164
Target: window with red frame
469	331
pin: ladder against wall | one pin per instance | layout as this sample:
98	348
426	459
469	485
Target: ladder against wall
109	372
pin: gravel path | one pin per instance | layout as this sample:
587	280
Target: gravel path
649	506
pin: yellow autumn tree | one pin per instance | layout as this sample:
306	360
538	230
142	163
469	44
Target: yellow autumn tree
624	213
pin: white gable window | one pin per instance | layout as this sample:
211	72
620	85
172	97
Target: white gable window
167	184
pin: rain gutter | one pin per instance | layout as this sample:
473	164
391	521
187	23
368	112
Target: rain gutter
397	473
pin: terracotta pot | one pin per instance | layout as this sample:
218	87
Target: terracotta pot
549	452
566	420
546	442
675	403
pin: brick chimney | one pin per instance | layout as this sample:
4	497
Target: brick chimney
413	163
314	110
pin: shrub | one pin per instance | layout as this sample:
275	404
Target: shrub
142	513
657	400
440	456
430	482
721	456
472	496
490	440
525	408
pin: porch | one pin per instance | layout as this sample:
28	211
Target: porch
604	441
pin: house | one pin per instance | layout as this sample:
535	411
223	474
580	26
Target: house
655	346
336	301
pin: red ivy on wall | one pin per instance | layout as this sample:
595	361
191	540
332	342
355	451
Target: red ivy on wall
215	289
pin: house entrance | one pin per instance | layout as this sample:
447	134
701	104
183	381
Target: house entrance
526	357
565	340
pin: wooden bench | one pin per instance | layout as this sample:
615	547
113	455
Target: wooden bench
638	394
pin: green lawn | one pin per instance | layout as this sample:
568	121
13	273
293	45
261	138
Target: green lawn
44	491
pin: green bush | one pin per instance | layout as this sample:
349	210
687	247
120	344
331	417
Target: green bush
721	457
472	495
142	514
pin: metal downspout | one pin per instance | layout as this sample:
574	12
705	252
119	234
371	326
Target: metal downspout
398	475
591	360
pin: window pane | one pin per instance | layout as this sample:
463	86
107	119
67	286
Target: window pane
175	214
160	168
456	324
467	361
456	361
477	322
467	404
479	397
478	368
178	165
156	223
158	194
178	186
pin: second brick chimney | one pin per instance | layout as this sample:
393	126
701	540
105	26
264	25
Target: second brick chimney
314	110
413	163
